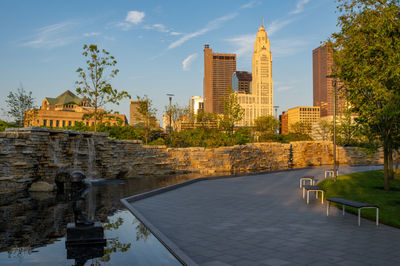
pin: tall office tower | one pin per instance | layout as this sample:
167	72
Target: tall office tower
260	101
323	86
217	83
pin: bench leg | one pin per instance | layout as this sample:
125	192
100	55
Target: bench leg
308	196
316	194
327	209
342	209
303	192
377	216
322	198
359	216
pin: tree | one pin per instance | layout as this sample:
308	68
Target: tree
233	113
266	124
301	128
176	112
94	83
148	115
323	130
366	56
347	130
18	103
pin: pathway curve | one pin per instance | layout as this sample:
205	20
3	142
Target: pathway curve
263	220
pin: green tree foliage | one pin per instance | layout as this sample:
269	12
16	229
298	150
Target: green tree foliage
324	130
301	128
18	102
347	131
233	113
367	61
148	115
177	112
94	84
4	125
266	124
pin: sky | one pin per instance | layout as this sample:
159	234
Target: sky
158	44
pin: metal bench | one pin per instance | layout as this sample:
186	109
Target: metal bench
316	189
355	204
305	178
331	173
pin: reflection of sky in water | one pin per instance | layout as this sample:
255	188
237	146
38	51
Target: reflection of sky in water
141	252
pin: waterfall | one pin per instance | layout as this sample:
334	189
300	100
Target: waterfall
75	149
54	149
91	158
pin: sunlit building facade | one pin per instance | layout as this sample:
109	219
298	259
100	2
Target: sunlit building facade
66	110
259	102
217	83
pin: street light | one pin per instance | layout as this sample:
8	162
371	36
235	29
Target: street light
334	130
170	112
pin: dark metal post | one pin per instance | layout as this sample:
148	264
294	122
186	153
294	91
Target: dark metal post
170	112
334	131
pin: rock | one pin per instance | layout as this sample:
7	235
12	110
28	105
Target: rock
42	186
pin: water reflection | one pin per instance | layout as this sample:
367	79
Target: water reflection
33	227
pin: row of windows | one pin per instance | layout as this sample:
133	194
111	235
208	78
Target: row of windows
59	123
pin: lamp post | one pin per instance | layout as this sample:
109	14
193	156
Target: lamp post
170	112
334	130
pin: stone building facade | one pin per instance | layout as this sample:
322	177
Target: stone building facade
260	101
66	110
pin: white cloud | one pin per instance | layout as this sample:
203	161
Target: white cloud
186	63
52	36
243	44
284	88
299	7
160	28
134	17
212	25
90	34
287	47
250	4
276	25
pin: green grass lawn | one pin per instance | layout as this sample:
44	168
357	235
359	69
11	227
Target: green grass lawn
367	187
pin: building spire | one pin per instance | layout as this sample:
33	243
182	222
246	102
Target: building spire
263	22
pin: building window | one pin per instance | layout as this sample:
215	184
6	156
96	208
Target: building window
87	123
63	123
92	123
69	123
44	122
57	123
51	123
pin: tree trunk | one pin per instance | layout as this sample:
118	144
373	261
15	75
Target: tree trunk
390	162
386	166
397	162
95	119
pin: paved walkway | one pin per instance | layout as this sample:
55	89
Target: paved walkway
263	220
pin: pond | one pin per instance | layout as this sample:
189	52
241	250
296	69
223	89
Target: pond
33	227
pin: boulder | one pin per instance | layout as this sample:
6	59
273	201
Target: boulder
42	187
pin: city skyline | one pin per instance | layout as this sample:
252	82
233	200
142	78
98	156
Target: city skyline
159	47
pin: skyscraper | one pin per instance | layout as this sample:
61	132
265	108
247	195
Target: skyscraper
323	88
260	101
218	71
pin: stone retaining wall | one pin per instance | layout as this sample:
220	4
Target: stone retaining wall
30	155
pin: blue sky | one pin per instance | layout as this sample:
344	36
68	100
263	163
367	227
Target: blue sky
158	44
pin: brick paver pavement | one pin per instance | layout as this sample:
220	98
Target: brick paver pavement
263	220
